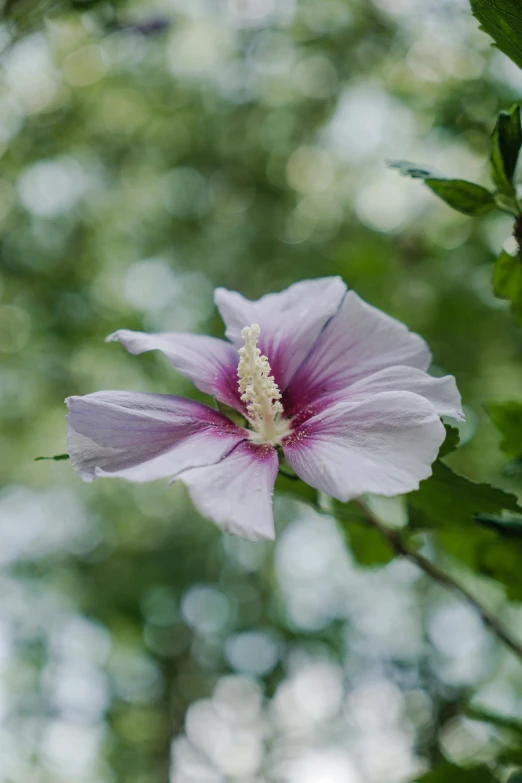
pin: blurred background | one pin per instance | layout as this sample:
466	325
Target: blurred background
151	151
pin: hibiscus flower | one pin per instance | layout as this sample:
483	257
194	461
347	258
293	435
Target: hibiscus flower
318	375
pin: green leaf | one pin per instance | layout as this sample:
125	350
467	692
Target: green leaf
366	544
505	145
451	441
511	755
449	504
512	528
450	773
507	282
287	485
231	413
466	197
287	472
502	20
449	499
414	170
56	457
513	468
507	417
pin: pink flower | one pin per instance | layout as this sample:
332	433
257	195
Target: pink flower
337	385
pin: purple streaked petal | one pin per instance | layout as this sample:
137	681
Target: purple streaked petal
441	392
236	493
142	437
211	364
384	444
290	321
359	340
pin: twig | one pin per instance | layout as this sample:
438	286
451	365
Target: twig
486	716
401	547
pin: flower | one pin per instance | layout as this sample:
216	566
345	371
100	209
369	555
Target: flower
336	385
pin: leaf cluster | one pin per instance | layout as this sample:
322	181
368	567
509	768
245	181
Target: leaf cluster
502	20
477	524
475	200
468	197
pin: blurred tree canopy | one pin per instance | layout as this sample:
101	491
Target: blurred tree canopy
150	152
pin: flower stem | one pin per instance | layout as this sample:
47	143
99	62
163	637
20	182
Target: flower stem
401	547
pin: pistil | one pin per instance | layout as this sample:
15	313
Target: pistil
259	391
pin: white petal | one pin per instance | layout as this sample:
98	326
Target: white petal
290	321
384	444
358	341
236	493
211	364
441	392
142	437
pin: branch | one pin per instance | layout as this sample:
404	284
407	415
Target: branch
402	548
486	716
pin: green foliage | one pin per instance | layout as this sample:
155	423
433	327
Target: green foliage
465	197
460	514
507	417
367	545
502	20
505	146
451	441
26	16
507	281
513	468
512	528
231	413
287	484
475	200
449	500
450	773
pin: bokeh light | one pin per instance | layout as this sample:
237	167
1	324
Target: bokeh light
149	154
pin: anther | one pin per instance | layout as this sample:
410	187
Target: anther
258	389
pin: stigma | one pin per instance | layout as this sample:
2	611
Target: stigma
259	391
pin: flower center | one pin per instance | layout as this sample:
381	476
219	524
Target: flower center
259	391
